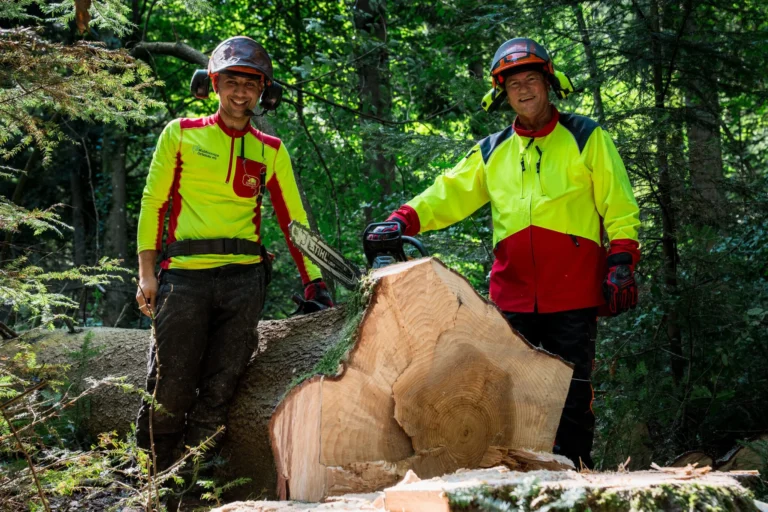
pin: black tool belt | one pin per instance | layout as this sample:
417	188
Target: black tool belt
213	246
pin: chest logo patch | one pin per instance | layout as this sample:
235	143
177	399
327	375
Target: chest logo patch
251	181
198	150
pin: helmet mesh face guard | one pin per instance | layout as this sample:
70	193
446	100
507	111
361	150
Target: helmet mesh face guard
517	52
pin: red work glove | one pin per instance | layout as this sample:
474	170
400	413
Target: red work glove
318	292
408	220
619	287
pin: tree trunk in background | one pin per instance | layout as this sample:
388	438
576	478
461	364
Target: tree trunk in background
705	156
113	151
375	91
669	229
478	71
591	62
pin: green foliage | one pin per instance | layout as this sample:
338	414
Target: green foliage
83	81
106	14
530	495
12	217
215	490
44	85
26	289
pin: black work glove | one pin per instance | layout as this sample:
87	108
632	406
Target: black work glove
316	298
619	287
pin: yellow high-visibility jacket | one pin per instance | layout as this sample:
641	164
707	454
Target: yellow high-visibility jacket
552	193
211	176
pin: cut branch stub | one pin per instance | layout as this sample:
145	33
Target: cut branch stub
437	381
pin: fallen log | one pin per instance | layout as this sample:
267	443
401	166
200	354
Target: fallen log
437	380
287	349
501	489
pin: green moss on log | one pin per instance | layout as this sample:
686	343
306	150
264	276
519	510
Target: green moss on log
531	495
337	354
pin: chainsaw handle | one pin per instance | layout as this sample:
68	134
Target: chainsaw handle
418	245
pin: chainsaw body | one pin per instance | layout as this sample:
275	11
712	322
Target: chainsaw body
383	244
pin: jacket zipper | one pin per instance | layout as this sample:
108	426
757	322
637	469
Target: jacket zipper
538	171
575	240
231	152
533	253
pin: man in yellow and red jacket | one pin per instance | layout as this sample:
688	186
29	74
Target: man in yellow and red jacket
555	183
212	173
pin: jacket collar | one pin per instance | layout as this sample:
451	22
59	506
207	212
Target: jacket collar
540	133
229	131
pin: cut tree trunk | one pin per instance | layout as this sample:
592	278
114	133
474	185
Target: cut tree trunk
681	489
436	381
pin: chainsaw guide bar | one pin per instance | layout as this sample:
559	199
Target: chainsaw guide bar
324	256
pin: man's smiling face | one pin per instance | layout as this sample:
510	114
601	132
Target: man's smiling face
238	94
527	92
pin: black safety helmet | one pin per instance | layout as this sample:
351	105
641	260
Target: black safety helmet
241	54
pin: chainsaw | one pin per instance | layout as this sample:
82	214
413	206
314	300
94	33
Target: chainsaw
383	244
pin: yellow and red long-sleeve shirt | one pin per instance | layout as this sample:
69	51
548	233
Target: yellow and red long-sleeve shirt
210	175
552	194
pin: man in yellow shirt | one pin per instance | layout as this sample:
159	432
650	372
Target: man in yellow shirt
212	172
555	183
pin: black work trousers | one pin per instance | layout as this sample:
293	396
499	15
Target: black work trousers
206	334
571	335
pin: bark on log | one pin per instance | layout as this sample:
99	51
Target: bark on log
437	381
287	348
501	489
